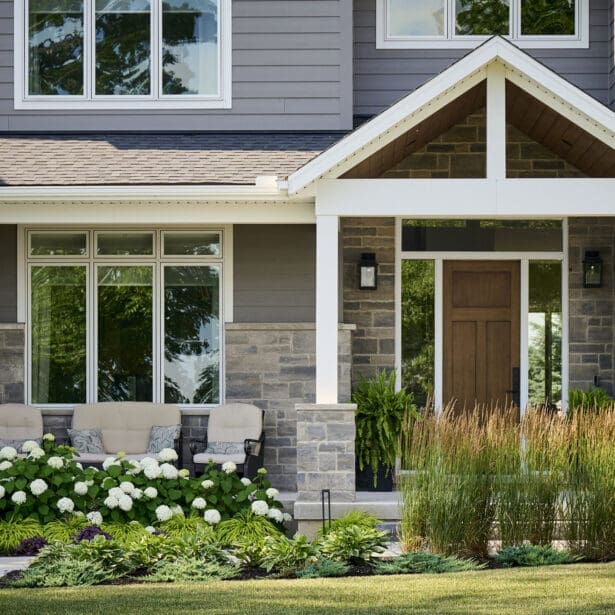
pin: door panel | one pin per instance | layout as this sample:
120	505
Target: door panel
481	331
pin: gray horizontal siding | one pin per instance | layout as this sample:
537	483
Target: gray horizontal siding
612	58
274	273
291	71
8	273
382	76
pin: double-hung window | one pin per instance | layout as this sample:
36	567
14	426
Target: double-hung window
124	316
466	23
73	54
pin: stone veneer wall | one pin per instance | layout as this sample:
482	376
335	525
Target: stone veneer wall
273	367
12	344
372	311
591	343
461	153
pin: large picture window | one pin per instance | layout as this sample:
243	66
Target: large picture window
123	53
465	23
134	318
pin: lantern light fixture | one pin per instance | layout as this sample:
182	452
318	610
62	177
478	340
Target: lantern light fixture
368	271
592	270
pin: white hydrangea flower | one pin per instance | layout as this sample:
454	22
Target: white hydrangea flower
260	508
2	491
28	445
78	513
177	510
287	517
127	487
65	505
275	514
116	492
55	462
150	492
89	483
152	471
207	484
199	503
5	465
167	454
163	513
81	488
111	502
150	528
38	487
148	461
135	467
19	497
229	467
125	502
246	481
272	493
212	517
94	517
110	461
137	494
79	465
49	437
37	453
168	471
8	452
184	473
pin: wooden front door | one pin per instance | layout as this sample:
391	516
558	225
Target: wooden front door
481	333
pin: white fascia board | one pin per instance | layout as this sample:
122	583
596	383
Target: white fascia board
157	212
466	198
522	69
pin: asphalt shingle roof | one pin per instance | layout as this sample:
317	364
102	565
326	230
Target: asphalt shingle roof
158	158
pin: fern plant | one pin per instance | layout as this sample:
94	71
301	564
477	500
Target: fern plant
382	414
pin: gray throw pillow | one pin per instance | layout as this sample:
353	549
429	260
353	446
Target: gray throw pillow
163	436
225	448
17	444
87	440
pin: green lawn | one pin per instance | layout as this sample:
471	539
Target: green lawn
582	588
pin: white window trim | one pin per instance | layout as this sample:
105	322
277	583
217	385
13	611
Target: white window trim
158	262
451	41
524	258
223	100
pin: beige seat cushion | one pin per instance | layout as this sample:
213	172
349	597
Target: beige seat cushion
234	423
125	426
20	422
205	458
86	458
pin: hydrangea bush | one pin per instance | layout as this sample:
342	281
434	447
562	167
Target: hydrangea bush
46	484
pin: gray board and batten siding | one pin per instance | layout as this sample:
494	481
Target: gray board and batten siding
274	273
382	76
8	273
292	70
612	57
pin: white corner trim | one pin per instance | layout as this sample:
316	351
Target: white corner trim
496	121
522	69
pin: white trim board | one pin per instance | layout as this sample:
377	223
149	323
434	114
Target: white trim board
520	68
466	198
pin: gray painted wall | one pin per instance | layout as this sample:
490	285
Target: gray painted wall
8	273
274	273
292	70
382	76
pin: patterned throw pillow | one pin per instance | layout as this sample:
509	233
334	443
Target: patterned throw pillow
163	436
86	440
17	444
225	448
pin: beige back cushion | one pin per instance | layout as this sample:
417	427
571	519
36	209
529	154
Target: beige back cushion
234	423
126	425
20	422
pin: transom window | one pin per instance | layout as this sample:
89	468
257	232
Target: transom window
123	53
124	316
465	23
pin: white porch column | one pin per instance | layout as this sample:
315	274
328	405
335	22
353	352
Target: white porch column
327	231
496	121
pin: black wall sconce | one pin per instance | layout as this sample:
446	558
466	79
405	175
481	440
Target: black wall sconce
368	271
592	270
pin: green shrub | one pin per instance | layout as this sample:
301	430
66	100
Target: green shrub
13	531
353	544
180	526
245	526
354	517
64	530
190	569
533	555
323	568
287	555
64	573
590	400
124	533
422	562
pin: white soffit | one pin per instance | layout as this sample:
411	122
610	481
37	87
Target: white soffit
521	69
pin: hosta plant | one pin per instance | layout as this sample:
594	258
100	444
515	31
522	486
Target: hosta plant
353	544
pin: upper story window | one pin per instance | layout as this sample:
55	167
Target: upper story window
413	24
74	54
